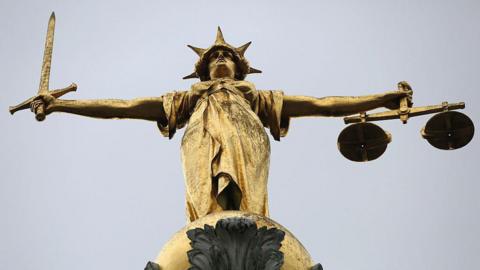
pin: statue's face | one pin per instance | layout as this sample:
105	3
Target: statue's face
221	65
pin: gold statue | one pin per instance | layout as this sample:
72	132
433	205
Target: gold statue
225	149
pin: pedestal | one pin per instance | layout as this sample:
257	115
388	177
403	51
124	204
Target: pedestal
233	240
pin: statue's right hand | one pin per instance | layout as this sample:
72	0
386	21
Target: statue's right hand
46	100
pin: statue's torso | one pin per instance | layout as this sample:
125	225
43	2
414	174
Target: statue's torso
225	107
225	136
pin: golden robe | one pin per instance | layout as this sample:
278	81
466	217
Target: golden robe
225	136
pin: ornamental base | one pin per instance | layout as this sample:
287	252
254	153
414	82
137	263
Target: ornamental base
233	240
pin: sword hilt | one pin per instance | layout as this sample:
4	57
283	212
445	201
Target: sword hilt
40	112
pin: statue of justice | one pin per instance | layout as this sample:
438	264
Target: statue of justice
225	148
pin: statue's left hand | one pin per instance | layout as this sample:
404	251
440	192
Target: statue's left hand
393	98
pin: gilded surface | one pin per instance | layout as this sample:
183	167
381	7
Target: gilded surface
225	143
225	149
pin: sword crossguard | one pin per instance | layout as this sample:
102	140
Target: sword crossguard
40	110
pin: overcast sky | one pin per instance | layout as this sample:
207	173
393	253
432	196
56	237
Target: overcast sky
81	193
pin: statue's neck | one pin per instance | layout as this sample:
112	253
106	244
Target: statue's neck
222	73
222	79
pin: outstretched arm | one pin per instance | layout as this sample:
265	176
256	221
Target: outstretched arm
139	108
298	106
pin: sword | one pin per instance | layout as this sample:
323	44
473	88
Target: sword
44	77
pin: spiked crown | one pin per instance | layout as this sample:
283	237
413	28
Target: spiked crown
201	67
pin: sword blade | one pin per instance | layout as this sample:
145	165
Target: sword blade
47	56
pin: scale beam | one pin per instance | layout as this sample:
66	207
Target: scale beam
397	114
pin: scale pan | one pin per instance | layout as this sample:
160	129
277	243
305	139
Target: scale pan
363	142
448	130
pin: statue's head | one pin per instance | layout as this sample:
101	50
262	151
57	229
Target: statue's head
221	60
221	64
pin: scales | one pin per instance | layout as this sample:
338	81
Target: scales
365	141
